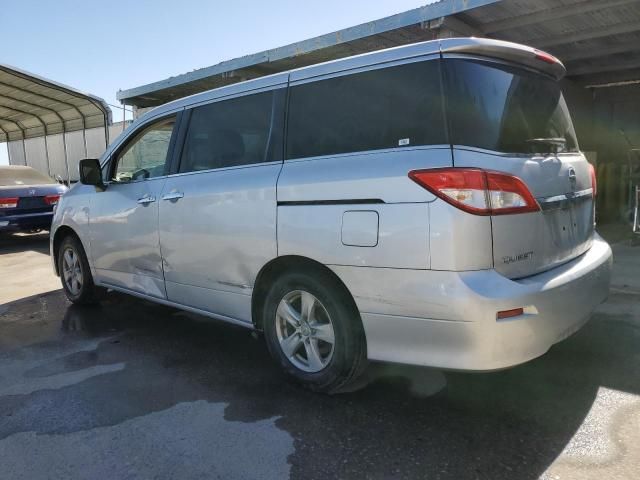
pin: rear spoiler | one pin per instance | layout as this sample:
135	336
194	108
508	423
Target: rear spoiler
512	52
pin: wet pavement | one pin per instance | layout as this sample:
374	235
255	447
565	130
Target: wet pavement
134	390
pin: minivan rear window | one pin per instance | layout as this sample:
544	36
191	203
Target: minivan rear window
389	107
505	109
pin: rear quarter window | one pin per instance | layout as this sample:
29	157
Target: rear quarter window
391	107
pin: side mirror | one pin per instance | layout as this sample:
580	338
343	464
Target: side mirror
90	173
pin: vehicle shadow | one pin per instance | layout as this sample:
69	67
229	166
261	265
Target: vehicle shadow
403	422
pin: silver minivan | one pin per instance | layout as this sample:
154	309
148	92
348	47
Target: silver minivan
426	204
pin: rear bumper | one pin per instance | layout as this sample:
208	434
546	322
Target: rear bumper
26	221
451	321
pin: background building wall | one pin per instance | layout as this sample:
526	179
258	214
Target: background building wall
616	134
59	155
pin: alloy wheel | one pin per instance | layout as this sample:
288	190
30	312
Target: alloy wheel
72	271
305	331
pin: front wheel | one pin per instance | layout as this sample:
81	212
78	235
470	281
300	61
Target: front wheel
75	273
314	331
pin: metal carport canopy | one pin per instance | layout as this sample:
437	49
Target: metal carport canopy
402	28
32	106
598	40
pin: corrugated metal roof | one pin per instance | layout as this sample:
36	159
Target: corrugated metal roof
599	42
32	106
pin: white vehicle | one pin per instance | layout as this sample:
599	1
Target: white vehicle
426	204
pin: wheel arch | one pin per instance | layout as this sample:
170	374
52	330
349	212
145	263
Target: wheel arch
279	266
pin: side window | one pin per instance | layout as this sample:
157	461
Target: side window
240	131
385	108
145	155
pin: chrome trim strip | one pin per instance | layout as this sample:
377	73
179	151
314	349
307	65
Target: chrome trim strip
439	146
224	169
532	156
566	200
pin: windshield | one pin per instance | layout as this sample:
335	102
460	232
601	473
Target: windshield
15	175
506	109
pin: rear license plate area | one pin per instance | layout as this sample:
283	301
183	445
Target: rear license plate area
31	202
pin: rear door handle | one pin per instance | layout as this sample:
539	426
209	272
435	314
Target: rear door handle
173	196
146	199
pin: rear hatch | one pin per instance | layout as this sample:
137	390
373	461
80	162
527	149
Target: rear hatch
511	118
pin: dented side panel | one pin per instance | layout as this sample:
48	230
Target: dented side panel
216	238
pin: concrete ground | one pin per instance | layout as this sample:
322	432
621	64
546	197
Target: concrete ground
26	258
134	390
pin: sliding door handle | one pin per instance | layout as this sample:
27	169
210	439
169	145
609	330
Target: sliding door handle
146	199
173	196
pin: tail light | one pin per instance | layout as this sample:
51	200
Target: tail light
10	202
51	199
594	182
514	312
481	192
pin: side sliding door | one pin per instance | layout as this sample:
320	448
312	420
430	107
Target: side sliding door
218	211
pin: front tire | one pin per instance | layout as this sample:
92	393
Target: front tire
314	332
75	273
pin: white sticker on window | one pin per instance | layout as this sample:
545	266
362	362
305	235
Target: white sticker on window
404	141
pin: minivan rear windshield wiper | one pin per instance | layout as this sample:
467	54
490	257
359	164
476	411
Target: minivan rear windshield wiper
556	143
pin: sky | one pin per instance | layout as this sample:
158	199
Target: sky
100	47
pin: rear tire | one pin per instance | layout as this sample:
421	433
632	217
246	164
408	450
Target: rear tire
75	273
314	332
